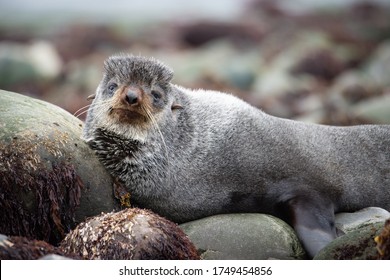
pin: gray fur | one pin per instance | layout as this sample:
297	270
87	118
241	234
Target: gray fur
219	154
137	68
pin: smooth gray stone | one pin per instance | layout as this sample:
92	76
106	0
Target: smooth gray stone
244	236
348	222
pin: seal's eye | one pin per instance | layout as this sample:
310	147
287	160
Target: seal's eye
156	95
112	87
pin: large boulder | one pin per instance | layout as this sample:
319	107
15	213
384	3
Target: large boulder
49	178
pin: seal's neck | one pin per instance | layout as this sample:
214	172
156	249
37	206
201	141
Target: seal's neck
112	148
133	162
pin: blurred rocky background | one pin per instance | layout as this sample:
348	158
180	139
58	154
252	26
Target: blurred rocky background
318	61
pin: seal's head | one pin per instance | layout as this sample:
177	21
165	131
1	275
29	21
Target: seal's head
129	98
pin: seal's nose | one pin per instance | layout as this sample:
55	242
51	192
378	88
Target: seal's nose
132	98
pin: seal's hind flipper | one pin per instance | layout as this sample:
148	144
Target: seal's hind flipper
312	217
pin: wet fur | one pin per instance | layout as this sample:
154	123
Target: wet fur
209	152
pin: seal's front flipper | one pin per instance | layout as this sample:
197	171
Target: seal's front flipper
313	220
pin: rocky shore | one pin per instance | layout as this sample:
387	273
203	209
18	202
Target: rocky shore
54	190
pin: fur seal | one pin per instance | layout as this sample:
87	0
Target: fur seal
188	154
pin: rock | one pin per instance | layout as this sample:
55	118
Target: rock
383	242
218	62
378	65
354	87
50	179
33	62
3	237
127	235
54	257
298	65
319	63
355	245
375	109
200	33
244	236
295	71
80	79
348	222
45	59
21	248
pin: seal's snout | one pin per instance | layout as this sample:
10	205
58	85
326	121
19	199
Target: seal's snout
128	105
132	97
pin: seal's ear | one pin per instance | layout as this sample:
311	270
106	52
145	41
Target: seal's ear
176	106
91	97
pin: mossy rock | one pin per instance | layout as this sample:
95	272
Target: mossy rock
50	180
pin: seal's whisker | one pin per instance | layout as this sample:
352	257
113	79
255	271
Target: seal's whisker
88	105
104	108
82	112
157	127
85	109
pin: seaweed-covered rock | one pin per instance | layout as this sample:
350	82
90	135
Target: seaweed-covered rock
383	242
21	248
356	245
244	236
129	234
49	178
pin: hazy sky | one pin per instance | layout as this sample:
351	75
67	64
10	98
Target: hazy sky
141	10
123	9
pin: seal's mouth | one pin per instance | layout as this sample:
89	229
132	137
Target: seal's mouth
130	105
128	116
